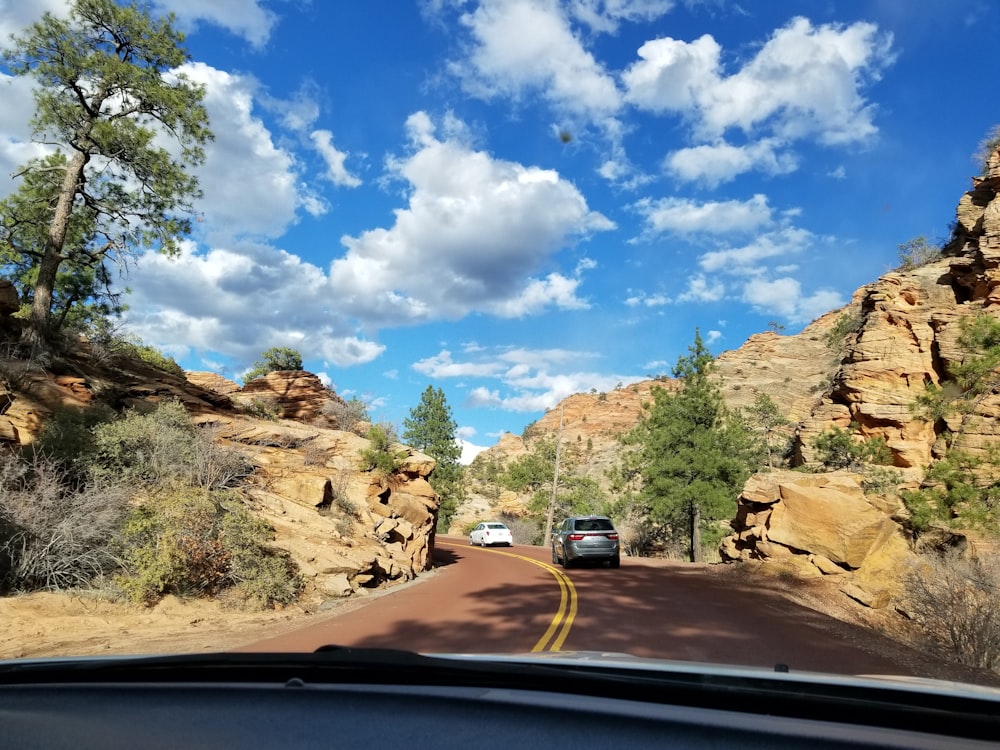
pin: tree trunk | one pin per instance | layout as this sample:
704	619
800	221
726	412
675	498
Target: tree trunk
695	533
53	257
550	512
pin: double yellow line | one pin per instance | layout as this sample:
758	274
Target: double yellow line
555	635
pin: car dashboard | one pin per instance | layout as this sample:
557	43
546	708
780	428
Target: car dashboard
373	698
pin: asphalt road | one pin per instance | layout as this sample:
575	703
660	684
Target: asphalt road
513	600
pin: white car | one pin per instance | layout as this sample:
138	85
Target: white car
486	534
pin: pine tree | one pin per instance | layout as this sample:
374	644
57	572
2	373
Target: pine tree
126	126
690	454
431	429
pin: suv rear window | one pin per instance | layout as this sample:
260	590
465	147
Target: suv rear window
495	526
593	524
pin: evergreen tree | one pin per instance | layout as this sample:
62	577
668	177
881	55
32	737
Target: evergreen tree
108	97
275	359
690	455
82	295
431	429
764	416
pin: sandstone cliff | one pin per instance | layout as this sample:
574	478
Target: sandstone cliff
863	365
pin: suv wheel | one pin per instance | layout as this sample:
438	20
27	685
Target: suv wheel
615	562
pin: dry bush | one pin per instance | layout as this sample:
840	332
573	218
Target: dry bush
53	536
187	543
350	416
523	530
216	467
956	599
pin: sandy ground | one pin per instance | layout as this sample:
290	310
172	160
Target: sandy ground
86	624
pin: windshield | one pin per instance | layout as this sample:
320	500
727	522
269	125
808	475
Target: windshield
300	303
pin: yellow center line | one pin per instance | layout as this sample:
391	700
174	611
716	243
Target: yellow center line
563	619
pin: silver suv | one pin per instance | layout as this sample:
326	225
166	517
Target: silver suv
586	538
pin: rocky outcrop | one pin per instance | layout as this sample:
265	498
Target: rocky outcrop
826	516
349	530
300	395
212	381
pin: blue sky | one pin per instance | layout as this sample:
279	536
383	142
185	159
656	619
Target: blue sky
517	200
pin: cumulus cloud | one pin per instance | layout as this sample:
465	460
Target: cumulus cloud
746	259
441	365
686	216
248	19
521	46
784	297
711	165
250	184
474	231
239	301
701	289
520	379
606	15
804	81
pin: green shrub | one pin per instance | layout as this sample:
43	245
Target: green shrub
134	349
880	480
154	449
380	456
838	448
847	323
264	407
189	543
67	440
962	489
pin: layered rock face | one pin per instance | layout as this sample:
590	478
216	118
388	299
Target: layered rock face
348	530
301	395
905	337
900	334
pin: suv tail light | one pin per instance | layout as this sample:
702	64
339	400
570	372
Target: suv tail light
612	536
575	537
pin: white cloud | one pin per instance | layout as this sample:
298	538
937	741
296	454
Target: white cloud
712	336
245	18
641	299
685	216
441	365
743	260
606	15
336	171
16	147
469	451
784	297
804	81
17	15
250	185
530	45
521	379
701	289
474	230
713	164
239	302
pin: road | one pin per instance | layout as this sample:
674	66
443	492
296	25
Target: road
512	600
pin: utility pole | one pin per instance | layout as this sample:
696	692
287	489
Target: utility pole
555	484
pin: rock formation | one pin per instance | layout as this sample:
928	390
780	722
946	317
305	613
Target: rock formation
349	530
900	334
